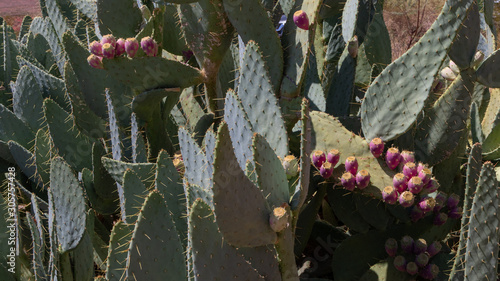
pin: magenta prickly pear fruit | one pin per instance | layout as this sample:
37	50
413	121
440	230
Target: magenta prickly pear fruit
108	51
391	247
406	199
455	212
95	61
392	158
425	175
149	46
421	166
431	186
415	185
318	158
429	272
416	214
407	244
410	170
420	246
400	182
333	157
427	204
279	218
291	166
412	268
96	48
120	47
109	39
377	147
326	170
440	218
348	181
131	47
389	195
434	248
452	201
400	263
301	20
422	259
407	156
362	179
440	201
351	165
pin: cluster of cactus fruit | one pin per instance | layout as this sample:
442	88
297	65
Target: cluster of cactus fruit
244	139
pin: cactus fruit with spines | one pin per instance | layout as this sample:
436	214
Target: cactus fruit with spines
157	140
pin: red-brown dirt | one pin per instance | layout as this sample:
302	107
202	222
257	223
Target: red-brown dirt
13	11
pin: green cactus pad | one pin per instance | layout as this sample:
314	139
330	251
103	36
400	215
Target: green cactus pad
26	160
27	99
103	183
260	102
143	102
372	210
156	72
391	106
149	256
39	48
475	124
44	27
59	21
139	153
114	130
87	7
99	204
340	95
117	251
134	194
464	46
43	154
10	52
69	204
377	42
262	31
483	229
145	171
236	197
38	250
118	17
213	258
75	147
240	128
13	128
271	177
80	30
440	130
385	270
342	203
487	73
197	170
190	106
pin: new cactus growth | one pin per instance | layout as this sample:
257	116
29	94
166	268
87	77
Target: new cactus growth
377	147
351	165
131	47
348	181
362	179
392	158
301	19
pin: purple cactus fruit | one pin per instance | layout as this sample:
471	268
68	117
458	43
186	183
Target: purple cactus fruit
389	195
392	158
108	51
278	220
326	170
412	268
400	182
110	39
415	185
416	214
362	179
131	47
407	244
429	272
440	218
333	157
420	246
452	201
410	170
431	186
95	61
96	48
406	199
301	20
440	201
434	248
291	166
455	212
421	166
318	158
348	181
407	156
425	175
149	46
391	247
400	263
427	204
377	147
422	259
351	165
120	47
